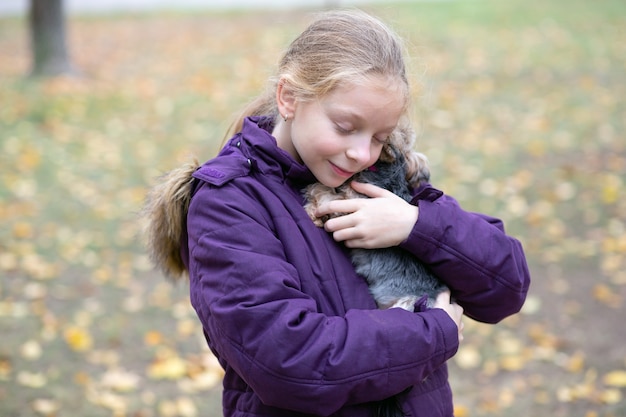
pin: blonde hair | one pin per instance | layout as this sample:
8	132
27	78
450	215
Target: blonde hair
164	217
338	47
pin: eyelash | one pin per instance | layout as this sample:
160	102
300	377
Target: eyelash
343	131
347	132
383	141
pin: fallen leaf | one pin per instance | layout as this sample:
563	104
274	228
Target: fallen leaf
576	362
615	379
5	368
167	408
461	411
120	380
31	379
153	338
45	406
168	368
186	407
31	350
23	230
78	338
611	396
606	295
512	362
468	357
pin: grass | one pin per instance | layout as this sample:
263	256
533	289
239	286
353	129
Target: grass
521	112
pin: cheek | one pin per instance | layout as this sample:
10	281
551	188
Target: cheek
324	144
375	151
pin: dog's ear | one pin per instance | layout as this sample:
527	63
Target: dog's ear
417	168
393	148
401	140
387	155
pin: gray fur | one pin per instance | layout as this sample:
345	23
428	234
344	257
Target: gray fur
395	277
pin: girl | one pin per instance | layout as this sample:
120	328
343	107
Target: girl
294	327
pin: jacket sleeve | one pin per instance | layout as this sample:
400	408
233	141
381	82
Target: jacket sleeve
258	319
485	268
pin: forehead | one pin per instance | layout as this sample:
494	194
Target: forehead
375	98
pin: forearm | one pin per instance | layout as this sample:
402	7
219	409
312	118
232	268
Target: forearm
485	268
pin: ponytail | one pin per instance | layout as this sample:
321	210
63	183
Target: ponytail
165	217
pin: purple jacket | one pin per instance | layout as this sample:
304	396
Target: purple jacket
294	327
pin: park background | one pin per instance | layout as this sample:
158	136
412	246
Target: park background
520	107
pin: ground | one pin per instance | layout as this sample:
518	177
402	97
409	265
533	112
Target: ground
520	111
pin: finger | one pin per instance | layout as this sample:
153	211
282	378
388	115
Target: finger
339	223
350	237
339	206
369	190
444	297
359	243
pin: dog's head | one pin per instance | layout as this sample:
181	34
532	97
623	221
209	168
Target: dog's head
401	142
388	173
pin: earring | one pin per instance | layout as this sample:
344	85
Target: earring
285	117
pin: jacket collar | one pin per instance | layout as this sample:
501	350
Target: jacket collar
254	149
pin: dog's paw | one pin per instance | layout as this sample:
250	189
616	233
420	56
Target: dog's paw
310	209
406	303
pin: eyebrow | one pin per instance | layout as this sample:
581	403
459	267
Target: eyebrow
353	115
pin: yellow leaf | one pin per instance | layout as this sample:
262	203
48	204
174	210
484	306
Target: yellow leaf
31	379
153	338
606	295
461	411
201	381
23	230
186	407
45	406
81	378
186	327
78	339
611	396
8	261
615	379
168	368
611	189
5	368
167	408
536	147
29	159
468	358
576	363
512	363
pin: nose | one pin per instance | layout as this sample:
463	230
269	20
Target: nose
359	150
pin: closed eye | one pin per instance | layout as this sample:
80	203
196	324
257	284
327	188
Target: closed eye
382	139
343	130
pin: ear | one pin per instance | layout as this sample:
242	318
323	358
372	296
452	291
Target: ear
285	98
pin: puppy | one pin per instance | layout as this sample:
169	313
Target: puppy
395	277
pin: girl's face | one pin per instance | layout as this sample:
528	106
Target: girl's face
342	132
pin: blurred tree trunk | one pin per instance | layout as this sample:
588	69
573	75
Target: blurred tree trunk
46	21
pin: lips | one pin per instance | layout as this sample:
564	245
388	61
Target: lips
341	172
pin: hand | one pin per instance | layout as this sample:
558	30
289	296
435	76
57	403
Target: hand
381	221
454	310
